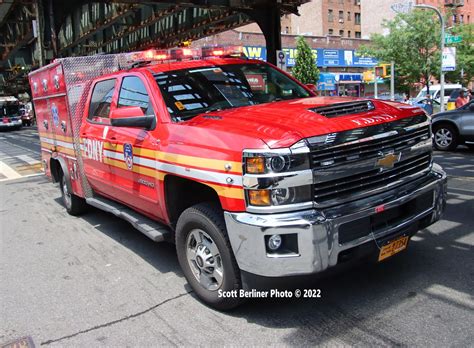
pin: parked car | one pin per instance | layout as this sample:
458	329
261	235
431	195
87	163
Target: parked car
423	103
435	92
455	127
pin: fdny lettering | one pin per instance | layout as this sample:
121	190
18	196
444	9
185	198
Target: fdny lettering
364	121
93	149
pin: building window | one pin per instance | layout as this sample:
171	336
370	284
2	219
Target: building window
341	33
357	18
349	15
357	35
341	15
330	31
461	19
348	33
454	19
330	16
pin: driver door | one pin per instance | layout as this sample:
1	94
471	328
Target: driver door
134	151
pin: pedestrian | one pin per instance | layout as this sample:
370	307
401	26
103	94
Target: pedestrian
428	105
463	98
469	94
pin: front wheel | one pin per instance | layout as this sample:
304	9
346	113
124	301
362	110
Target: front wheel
206	257
445	137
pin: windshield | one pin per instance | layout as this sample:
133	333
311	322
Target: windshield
189	92
9	109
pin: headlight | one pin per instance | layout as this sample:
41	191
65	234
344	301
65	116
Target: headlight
278	180
276	163
279	196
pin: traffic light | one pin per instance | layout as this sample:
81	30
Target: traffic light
380	71
383	71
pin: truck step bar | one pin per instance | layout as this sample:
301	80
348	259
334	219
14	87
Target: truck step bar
150	228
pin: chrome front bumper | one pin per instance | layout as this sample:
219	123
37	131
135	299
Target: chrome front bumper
316	231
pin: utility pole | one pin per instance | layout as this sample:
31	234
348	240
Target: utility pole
392	80
375	83
441	80
39	32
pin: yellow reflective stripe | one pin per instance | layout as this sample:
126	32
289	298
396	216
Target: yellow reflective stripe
200	162
136	169
58	148
229	192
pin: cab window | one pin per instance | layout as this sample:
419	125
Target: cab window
99	108
133	93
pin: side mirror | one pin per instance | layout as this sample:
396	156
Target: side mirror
131	116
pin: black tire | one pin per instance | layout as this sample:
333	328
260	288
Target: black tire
74	205
208	218
445	137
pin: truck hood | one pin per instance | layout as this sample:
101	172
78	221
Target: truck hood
283	123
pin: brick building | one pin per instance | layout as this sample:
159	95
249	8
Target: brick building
383	8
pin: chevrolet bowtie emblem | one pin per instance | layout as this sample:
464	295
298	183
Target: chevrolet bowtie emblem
388	160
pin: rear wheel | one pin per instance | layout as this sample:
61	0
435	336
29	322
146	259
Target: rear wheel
206	257
75	205
445	137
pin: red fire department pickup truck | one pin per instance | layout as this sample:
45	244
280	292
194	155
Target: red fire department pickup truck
239	164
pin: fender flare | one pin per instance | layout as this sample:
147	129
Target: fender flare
64	169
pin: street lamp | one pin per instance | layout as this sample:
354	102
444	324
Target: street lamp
441	81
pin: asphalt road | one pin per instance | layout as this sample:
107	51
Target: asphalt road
94	281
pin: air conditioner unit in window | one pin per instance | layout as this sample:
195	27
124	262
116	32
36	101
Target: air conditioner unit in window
341	21
453	3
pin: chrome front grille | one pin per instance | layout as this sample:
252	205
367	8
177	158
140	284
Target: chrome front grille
342	188
357	168
360	150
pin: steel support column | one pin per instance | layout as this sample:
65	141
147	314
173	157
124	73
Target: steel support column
268	19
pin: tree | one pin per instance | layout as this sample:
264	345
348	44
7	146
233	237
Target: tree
464	55
413	44
305	69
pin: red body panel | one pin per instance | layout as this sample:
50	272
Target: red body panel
130	165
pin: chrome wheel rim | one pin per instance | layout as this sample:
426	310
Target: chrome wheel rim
204	259
443	137
66	194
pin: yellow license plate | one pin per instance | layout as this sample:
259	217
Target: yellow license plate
395	246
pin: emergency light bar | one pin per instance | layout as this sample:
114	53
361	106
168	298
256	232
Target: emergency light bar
180	54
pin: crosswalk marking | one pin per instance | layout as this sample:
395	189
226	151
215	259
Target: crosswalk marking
8	172
28	159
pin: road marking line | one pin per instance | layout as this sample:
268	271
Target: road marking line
21	177
28	159
9	172
458	177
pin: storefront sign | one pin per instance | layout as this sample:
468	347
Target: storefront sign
322	56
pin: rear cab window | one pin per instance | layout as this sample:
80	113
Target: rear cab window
99	107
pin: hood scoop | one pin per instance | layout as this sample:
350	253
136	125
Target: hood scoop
341	109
